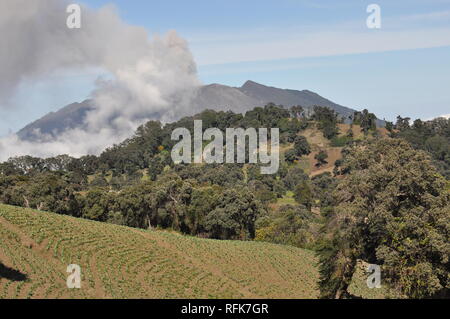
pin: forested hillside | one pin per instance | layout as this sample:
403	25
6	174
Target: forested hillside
349	192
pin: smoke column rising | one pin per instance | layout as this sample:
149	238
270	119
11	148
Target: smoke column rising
152	78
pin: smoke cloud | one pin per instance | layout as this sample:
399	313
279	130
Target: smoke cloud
151	78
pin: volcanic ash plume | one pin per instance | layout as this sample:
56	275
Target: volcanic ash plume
151	78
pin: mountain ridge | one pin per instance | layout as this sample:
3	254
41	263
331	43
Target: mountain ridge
214	96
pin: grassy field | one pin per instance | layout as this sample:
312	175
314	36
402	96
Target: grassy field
121	262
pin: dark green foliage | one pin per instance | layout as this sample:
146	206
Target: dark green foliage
341	141
303	194
327	120
431	136
234	216
266	188
392	210
323	186
46	191
28	165
301	146
288	226
223	175
99	181
94	205
203	201
294	176
269	116
366	120
336	267
402	123
262	192
134	205
290	156
390	207
389	126
134	153
321	158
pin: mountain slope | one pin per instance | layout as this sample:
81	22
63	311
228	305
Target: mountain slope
221	97
69	117
214	96
285	97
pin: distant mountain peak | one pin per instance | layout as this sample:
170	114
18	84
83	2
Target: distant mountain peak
213	96
250	83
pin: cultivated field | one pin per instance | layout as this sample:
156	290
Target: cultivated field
121	262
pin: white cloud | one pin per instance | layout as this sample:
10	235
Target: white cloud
445	116
430	16
287	45
402	32
150	77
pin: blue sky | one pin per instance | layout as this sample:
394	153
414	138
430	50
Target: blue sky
320	45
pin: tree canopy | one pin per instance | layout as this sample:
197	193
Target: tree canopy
392	210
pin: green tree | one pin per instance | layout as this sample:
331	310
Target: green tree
366	119
290	156
303	194
321	158
295	175
99	181
389	126
327	120
290	225
392	210
323	186
234	216
95	205
301	146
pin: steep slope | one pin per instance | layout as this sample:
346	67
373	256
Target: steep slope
214	96
70	116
